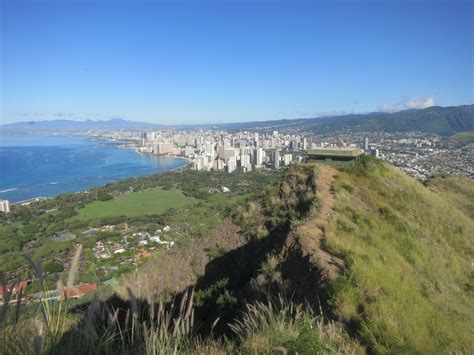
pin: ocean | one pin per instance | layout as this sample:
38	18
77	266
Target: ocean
46	166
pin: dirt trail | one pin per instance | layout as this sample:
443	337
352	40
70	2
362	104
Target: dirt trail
312	232
305	260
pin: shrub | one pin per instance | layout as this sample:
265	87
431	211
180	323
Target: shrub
103	196
53	267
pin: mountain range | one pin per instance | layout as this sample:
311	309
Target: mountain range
74	126
440	120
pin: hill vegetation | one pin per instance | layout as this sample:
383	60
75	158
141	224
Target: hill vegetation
356	258
408	285
444	121
440	120
461	138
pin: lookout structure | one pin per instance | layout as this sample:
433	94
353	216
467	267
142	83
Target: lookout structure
333	153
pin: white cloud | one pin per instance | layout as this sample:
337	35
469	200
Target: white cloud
420	102
409	103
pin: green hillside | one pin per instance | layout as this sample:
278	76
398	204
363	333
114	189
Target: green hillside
408	286
440	120
461	138
444	121
357	258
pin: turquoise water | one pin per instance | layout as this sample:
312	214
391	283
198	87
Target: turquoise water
48	166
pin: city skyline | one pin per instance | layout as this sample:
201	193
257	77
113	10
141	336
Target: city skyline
191	62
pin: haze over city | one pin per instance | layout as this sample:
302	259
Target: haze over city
207	62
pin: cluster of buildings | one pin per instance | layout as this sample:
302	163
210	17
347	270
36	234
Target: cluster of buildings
18	291
419	154
106	250
244	150
223	151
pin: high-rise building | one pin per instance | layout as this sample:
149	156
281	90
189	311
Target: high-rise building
295	142
162	148
218	164
188	151
287	158
258	157
4	206
229	153
151	136
274	143
197	163
245	161
305	143
231	165
208	147
366	144
275	158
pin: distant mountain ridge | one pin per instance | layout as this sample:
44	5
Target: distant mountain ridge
440	120
436	119
74	126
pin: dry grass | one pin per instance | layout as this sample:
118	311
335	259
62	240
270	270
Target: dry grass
285	327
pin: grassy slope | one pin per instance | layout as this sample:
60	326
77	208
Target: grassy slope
462	138
153	201
408	251
456	191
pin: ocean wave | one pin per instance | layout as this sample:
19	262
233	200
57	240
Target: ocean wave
8	190
53	183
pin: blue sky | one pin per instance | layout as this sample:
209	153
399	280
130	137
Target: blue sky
229	61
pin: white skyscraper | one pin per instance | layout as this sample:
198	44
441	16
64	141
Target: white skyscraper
258	157
197	164
231	165
208	147
4	206
163	148
245	161
305	143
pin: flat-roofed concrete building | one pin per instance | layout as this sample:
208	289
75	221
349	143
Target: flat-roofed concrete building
163	148
333	153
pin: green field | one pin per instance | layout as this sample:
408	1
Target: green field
153	201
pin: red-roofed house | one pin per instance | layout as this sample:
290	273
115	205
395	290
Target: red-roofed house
78	291
13	288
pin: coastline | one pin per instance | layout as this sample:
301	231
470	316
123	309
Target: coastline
75	180
135	149
43	198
